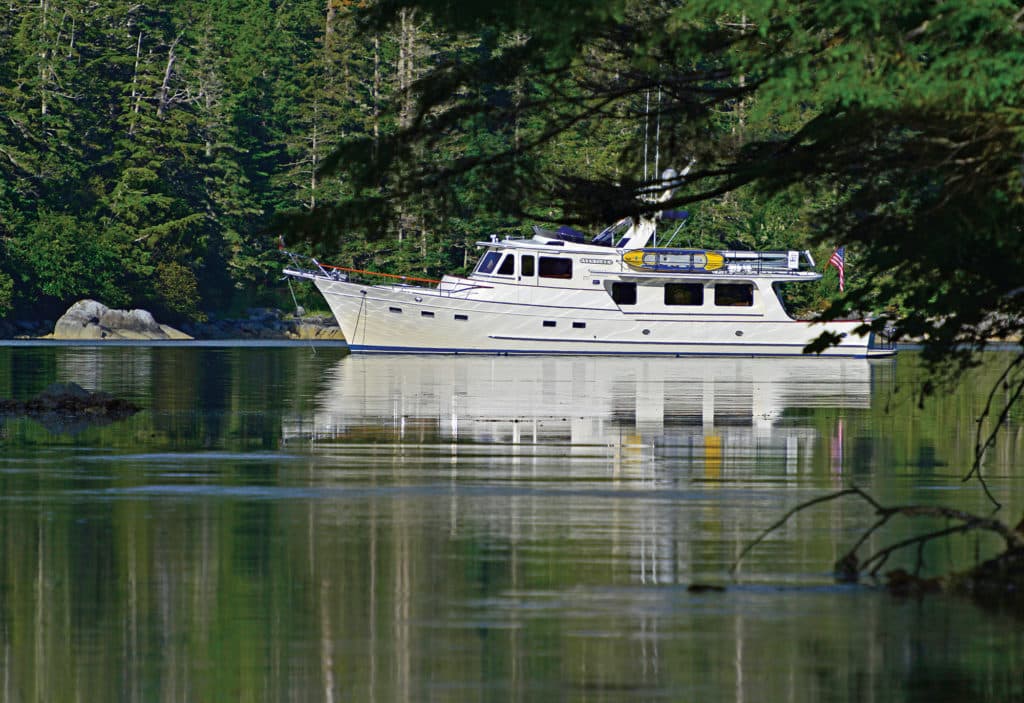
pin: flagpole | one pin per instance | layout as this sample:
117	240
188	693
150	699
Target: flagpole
838	259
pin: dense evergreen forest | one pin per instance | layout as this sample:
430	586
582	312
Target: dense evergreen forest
146	147
150	153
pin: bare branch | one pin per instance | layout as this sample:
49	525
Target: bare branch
981	447
882	555
849	566
782	521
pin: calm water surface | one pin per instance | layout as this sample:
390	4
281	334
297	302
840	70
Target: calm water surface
280	524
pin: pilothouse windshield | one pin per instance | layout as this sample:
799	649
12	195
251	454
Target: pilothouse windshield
488	262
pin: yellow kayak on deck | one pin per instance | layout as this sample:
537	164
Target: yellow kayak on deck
670	260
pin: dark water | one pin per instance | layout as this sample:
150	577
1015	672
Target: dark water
283	525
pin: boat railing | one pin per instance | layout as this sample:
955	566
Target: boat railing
319	270
363	272
795	262
440	287
345	273
758	267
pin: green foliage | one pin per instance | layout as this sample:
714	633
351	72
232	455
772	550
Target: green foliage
179	291
66	259
6	294
133	121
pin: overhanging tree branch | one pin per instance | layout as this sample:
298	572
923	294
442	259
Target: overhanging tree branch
850	566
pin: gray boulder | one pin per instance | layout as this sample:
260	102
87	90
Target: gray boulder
89	319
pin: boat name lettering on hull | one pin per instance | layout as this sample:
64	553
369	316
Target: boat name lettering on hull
603	262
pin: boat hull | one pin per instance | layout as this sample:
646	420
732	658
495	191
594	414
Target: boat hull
408	319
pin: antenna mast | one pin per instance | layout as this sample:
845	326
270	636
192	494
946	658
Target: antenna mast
657	134
647	122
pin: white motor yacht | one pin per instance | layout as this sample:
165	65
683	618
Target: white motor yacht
620	293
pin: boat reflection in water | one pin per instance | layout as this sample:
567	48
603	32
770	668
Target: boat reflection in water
638	408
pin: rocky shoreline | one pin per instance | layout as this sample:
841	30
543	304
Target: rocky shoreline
268	323
88	320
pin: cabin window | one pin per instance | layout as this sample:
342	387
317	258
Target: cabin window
488	263
461	317
734	294
426	313
684	294
550	267
624	293
579	325
550	323
393	309
508	265
527	265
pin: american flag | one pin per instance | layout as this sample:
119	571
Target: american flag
838	259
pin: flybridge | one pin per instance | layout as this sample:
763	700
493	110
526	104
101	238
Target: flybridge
634	252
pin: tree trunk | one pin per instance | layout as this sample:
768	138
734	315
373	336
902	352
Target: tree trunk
136	98
44	58
329	25
165	86
376	95
406	65
314	160
406	70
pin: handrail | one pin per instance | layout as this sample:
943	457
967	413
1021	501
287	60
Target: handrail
323	270
403	278
386	275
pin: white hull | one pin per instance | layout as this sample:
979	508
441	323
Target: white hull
413	319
